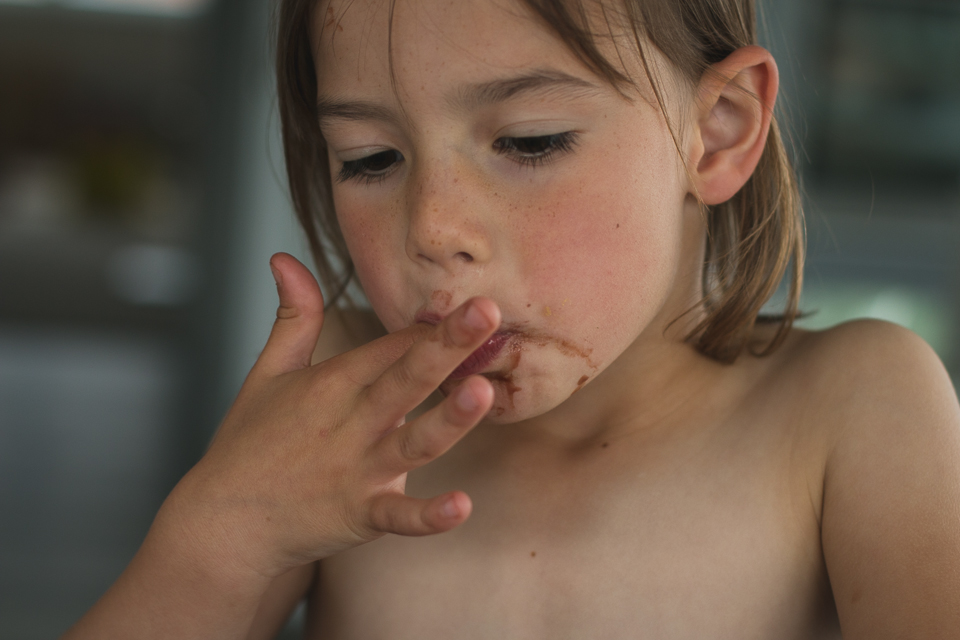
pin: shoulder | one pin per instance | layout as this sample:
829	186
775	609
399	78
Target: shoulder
886	413
860	368
869	386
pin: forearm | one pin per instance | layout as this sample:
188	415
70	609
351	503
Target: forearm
179	585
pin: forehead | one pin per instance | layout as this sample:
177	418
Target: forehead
430	43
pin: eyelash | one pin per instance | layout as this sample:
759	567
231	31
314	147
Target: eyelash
555	143
360	169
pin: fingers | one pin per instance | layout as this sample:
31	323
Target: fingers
419	371
406	516
299	318
369	361
432	434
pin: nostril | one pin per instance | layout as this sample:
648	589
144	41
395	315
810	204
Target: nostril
466	257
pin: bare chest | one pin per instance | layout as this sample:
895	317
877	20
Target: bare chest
694	543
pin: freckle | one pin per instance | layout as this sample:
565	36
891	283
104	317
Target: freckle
547	312
533	554
605	445
618	226
528	306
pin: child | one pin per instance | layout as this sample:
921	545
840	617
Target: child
567	216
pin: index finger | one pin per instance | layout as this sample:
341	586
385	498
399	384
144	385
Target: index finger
419	371
368	361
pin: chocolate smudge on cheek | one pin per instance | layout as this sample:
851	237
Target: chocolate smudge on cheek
583	380
567	348
564	346
441	298
506	378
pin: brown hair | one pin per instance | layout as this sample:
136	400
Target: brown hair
752	239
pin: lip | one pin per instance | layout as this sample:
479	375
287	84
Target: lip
481	358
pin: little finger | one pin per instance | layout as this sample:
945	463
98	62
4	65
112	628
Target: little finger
406	516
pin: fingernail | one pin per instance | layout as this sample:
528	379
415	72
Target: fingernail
450	509
466	399
475	319
276	275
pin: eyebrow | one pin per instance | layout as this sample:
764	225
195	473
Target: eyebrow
543	82
470	97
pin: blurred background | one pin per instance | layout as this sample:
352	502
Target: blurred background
141	195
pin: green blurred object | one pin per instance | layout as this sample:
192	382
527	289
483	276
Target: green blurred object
114	176
923	312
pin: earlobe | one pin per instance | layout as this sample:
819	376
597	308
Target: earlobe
734	110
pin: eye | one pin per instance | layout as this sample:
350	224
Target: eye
370	169
536	150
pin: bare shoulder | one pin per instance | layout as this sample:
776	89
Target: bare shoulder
890	529
861	366
858	377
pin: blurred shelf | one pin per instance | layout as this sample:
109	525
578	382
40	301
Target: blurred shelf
77	74
96	277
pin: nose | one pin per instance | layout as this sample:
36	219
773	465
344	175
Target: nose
447	226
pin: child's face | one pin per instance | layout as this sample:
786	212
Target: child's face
502	167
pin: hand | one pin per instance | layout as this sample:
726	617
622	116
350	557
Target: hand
312	460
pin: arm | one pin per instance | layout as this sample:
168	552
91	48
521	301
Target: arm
309	461
342	332
279	601
891	513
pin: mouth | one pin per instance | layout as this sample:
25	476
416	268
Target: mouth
482	357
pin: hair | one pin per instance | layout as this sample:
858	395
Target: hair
752	240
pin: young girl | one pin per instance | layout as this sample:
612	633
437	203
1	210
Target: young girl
567	216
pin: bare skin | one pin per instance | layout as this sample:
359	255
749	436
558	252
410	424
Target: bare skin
709	524
620	484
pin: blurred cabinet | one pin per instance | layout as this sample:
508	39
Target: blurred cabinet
115	183
102	143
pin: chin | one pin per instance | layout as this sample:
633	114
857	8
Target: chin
512	403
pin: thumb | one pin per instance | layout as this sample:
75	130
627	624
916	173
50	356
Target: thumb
299	318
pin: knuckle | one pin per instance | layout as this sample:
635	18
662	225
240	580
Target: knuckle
453	337
408	376
362	527
379	517
411	449
424	521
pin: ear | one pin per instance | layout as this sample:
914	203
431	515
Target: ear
734	109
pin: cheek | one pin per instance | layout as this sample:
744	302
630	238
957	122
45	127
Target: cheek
605	248
372	246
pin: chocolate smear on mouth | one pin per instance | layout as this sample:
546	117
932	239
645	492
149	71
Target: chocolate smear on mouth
506	378
517	347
